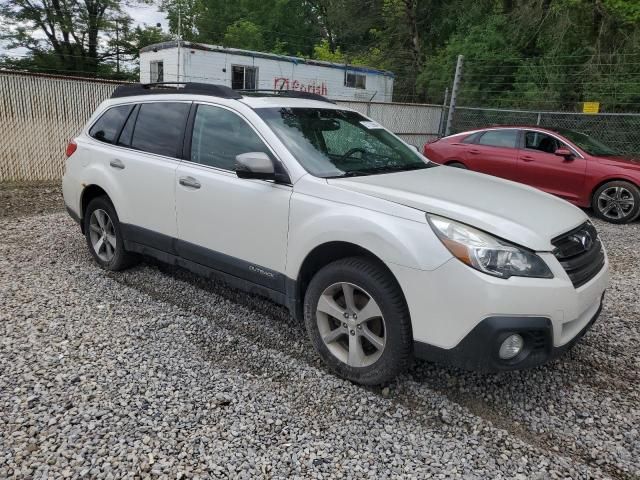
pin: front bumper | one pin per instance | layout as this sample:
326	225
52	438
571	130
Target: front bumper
479	349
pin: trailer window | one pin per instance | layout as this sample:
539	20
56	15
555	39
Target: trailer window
157	71
243	77
355	80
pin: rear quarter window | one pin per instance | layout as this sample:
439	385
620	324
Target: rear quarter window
499	138
160	128
473	138
108	126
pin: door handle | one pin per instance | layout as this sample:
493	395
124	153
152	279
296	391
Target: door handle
527	159
475	152
189	182
116	163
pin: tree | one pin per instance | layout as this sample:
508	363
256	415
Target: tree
244	34
285	26
322	51
69	29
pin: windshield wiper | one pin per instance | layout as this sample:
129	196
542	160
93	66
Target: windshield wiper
384	169
395	168
351	173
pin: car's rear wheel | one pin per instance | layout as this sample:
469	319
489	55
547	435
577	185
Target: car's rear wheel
617	202
104	236
457	165
358	321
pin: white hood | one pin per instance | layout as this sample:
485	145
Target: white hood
515	212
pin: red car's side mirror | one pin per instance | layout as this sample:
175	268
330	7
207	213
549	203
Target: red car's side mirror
564	152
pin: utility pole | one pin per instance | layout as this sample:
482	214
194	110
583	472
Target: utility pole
117	47
454	94
444	108
179	38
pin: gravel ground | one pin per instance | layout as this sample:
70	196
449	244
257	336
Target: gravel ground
155	372
17	199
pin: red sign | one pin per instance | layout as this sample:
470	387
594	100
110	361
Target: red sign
282	83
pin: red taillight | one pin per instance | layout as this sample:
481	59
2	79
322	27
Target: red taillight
71	148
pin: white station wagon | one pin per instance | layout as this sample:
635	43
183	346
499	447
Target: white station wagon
383	254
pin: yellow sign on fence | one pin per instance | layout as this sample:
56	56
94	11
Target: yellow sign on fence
591	107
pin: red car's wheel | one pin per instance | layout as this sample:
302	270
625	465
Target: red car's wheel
617	202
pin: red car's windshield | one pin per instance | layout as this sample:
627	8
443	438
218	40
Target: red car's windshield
587	143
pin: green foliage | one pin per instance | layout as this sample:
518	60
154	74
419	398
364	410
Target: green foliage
244	34
543	54
145	36
547	54
279	26
69	30
322	51
485	41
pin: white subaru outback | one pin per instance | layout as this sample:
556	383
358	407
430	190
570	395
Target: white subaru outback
383	254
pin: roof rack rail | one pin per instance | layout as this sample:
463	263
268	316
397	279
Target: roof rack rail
193	88
287	93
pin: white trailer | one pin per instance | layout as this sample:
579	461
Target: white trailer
244	69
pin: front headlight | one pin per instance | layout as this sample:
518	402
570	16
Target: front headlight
487	253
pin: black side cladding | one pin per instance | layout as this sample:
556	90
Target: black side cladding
186	88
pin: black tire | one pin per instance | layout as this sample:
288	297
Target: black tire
457	165
622	212
121	259
371	277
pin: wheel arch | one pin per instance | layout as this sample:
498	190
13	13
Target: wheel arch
323	255
88	193
617	178
449	161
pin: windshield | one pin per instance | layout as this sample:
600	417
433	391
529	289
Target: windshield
340	143
587	143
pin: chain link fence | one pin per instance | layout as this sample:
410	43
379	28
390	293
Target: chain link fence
38	116
620	131
416	124
40	113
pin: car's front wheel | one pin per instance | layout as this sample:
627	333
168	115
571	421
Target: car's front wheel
104	236
617	202
358	321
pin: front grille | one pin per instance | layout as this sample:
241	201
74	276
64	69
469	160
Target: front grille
580	253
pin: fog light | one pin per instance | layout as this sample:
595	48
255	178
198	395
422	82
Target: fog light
511	347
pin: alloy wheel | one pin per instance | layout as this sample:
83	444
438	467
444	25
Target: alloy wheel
616	203
351	324
102	234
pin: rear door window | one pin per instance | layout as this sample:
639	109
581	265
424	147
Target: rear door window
160	128
108	126
499	138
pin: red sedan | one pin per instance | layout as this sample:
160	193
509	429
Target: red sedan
562	162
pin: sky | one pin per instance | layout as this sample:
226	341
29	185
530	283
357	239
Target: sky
141	14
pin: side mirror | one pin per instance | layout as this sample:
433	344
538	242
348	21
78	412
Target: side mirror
255	165
564	152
